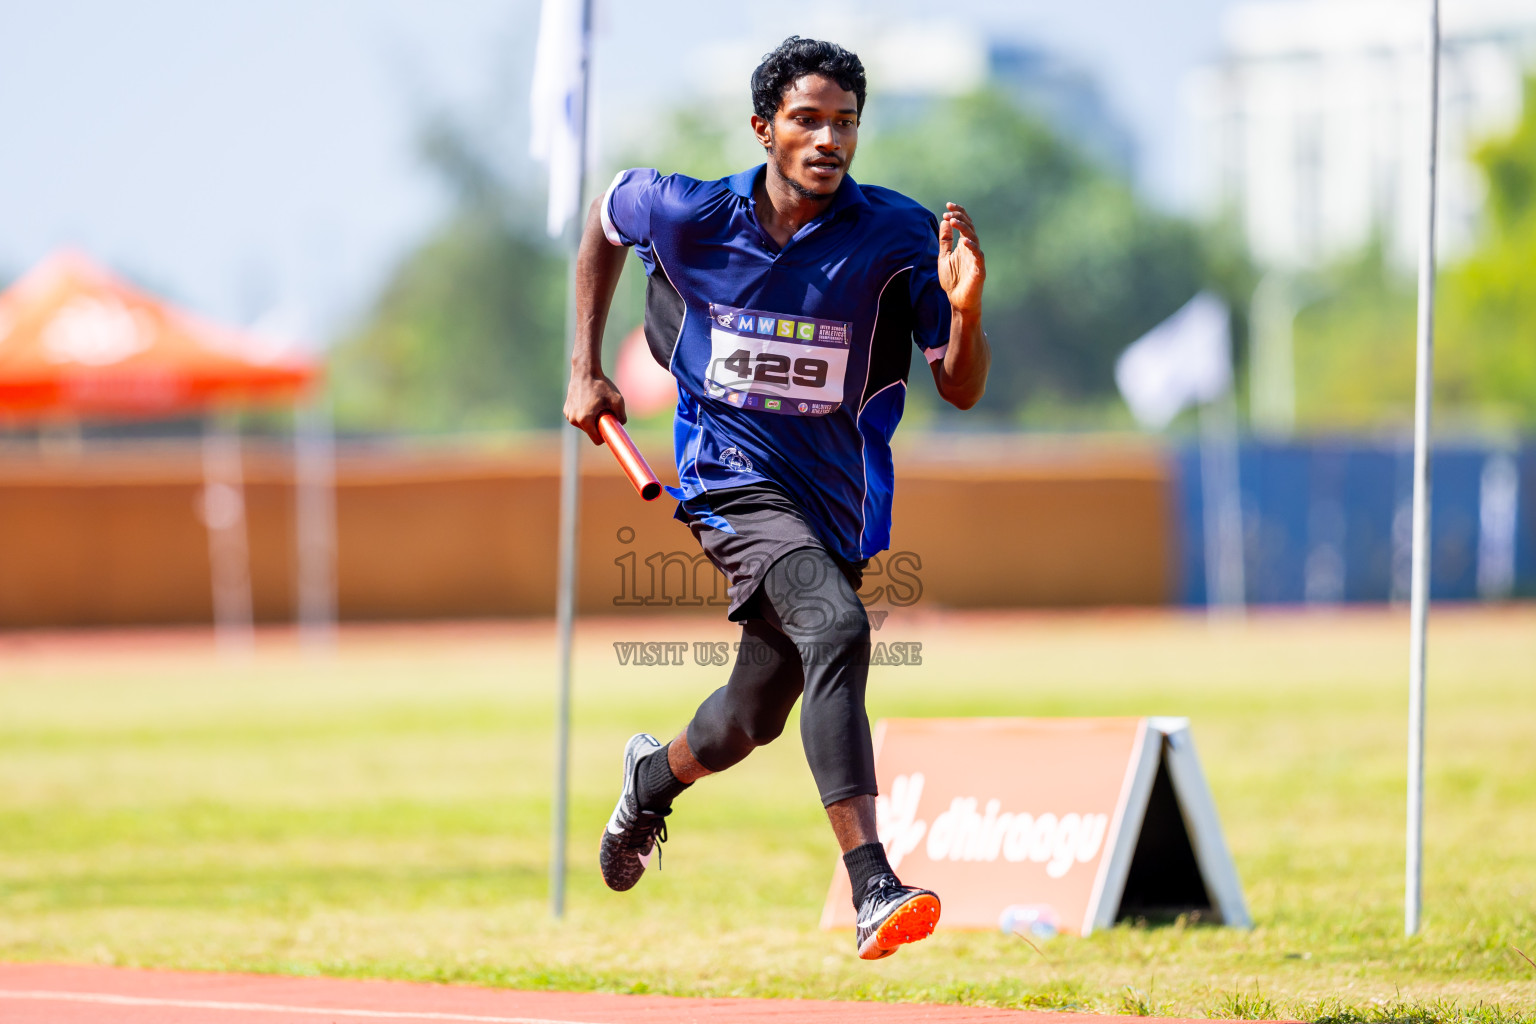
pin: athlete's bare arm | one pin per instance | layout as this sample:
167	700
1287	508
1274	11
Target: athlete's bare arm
598	265
962	374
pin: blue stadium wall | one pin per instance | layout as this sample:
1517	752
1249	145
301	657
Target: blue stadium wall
1328	521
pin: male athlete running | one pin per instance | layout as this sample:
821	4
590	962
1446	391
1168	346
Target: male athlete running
785	300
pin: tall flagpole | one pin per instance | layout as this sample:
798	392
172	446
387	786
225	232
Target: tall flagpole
570	483
1424	386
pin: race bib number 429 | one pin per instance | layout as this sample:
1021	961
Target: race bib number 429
776	363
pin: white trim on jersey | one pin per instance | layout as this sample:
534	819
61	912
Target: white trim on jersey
609	230
933	355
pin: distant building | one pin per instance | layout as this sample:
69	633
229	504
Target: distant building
1313	121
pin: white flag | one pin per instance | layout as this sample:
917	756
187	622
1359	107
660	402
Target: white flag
555	106
1185	359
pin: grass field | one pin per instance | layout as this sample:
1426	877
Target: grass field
385	812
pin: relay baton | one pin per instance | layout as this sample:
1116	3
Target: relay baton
630	459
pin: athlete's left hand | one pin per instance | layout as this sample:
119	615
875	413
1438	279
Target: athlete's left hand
962	265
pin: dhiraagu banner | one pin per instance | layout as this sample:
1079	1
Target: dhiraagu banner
1033	824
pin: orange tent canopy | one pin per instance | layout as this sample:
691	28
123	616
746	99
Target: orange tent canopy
76	340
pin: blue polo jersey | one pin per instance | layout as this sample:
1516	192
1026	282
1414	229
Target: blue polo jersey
791	363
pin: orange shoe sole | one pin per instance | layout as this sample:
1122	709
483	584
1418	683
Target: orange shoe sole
913	922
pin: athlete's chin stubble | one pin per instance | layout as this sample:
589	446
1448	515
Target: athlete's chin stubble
806	193
803	191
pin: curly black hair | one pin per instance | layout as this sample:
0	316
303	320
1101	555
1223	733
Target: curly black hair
794	59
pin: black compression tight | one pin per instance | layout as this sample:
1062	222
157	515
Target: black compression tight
810	636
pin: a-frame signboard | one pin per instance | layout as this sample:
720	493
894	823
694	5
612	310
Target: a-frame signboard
1071	823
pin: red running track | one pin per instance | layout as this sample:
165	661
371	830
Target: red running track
57	994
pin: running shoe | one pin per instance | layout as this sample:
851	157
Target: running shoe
892	915
632	835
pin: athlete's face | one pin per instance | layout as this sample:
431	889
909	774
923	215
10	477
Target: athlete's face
813	135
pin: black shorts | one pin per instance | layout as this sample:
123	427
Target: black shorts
768	525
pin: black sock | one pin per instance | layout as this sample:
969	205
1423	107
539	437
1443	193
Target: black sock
865	862
656	786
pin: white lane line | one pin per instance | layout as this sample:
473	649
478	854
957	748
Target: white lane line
322	1011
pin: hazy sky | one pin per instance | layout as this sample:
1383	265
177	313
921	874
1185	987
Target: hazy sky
246	154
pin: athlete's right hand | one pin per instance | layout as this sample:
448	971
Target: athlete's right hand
587	398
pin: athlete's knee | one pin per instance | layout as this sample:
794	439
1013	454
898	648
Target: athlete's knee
763	726
716	744
759	718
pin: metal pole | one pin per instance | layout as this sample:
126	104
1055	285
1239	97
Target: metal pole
314	497
229	552
564	617
1222	501
1419	593
570	483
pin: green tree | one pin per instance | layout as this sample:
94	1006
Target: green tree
1077	266
1355	343
467	333
1486	353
